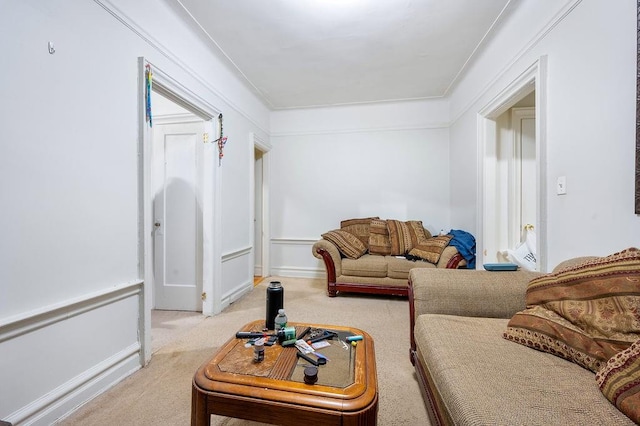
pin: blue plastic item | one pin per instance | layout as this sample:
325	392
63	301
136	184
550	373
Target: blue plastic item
500	266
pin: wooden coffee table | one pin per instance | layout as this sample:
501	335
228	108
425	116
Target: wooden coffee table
273	391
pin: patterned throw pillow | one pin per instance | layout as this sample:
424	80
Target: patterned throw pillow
419	235
359	228
431	249
399	236
379	242
619	381
586	313
348	244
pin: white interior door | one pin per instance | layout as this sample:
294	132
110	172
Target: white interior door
525	204
177	184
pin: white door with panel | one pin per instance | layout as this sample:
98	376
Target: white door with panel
524	203
177	183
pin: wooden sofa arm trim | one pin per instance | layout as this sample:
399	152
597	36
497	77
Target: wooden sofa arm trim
412	323
454	262
331	270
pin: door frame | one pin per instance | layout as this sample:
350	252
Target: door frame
171	88
533	78
258	143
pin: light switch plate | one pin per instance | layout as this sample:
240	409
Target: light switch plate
561	185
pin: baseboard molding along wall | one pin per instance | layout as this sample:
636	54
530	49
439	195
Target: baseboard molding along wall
110	315
297	272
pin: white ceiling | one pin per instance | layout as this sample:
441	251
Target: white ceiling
302	53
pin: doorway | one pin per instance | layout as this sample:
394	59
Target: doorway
260	224
512	172
211	296
515	202
257	217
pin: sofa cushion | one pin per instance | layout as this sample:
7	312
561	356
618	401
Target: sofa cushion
348	244
399	267
379	242
369	265
431	249
359	228
585	313
619	381
486	380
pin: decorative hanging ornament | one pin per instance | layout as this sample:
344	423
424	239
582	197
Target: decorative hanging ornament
222	141
148	77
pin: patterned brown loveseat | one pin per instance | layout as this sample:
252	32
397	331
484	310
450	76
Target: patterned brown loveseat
372	255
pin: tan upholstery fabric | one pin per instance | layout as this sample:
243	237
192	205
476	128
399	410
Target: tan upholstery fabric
585	313
399	267
385	281
368	265
447	254
469	292
331	248
347	243
379	242
486	380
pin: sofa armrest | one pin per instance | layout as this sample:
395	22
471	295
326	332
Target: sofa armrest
469	292
450	258
465	293
329	253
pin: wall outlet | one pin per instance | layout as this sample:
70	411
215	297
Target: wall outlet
561	185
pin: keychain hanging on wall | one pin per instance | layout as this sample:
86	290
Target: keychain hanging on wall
221	141
148	77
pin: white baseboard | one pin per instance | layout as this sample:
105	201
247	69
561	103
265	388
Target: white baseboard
292	257
297	272
68	397
71	323
236	294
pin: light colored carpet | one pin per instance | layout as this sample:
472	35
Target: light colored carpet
167	326
160	394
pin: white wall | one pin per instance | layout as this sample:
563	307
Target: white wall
330	164
70	283
591	55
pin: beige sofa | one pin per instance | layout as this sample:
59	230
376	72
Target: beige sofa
368	269
373	273
471	375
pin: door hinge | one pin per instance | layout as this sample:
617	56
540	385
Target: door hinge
205	137
204	295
